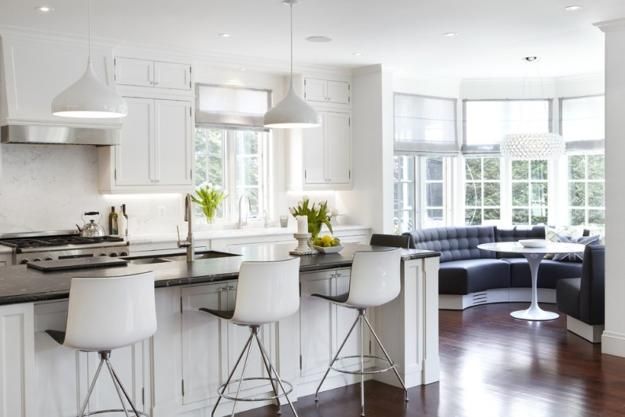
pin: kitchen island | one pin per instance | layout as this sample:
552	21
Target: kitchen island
177	372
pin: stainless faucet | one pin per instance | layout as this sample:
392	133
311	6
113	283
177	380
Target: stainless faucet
247	212
188	217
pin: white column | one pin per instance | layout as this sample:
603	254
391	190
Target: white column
613	340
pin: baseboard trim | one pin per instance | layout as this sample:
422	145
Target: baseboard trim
613	343
496	295
590	332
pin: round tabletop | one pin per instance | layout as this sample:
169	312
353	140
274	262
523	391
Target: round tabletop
516	247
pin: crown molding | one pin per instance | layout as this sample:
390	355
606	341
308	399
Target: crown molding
613	25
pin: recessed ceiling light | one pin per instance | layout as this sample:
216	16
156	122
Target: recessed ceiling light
573	8
225	35
44	9
450	34
357	53
319	39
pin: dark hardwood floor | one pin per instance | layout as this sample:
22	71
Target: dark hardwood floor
494	366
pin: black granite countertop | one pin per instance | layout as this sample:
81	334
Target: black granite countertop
19	284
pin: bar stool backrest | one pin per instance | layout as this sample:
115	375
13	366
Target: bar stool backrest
375	278
112	312
267	291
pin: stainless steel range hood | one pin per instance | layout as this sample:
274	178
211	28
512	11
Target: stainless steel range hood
59	135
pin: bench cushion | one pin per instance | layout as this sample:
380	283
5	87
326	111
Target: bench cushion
471	275
549	273
455	243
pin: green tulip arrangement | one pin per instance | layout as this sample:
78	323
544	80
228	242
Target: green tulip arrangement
318	215
209	198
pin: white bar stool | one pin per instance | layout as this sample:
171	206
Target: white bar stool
106	314
266	293
375	280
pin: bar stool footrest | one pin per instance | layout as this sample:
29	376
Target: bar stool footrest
272	381
115	410
370	371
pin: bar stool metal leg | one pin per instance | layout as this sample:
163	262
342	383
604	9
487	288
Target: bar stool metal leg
336	356
268	369
91	387
362	363
388	358
275	371
236	365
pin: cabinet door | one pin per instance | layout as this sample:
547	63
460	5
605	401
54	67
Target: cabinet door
172	75
338	92
136	72
316	341
203	355
172	142
315	90
337	147
313	148
134	156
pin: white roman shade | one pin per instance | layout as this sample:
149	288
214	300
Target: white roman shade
487	122
231	106
582	122
425	124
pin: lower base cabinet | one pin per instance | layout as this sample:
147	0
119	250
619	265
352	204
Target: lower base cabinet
63	375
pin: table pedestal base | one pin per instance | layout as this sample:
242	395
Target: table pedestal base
534	312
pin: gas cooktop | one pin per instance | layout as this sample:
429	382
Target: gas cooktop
55	241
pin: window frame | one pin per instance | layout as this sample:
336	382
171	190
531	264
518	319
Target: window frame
587	145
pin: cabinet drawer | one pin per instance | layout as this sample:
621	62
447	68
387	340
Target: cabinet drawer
136	72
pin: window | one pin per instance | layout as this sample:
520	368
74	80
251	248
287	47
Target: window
488	121
425	124
530	190
424	203
231	147
482	190
586	177
405	189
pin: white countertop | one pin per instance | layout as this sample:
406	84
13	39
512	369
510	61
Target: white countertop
228	233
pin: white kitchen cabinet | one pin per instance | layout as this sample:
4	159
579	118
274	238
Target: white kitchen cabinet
17	362
153	74
324	325
155	152
327	91
63	375
6	259
327	151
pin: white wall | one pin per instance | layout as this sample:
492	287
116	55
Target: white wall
371	200
613	340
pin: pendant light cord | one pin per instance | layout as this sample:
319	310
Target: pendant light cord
291	8
89	30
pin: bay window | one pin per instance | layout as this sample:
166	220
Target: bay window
231	147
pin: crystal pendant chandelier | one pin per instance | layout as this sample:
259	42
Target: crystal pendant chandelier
532	146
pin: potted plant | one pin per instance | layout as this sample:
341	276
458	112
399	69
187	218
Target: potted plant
318	215
209	198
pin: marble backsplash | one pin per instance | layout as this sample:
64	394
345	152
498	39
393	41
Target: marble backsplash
48	187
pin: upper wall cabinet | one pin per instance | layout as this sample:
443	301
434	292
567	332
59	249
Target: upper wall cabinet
35	70
327	91
154	74
155	150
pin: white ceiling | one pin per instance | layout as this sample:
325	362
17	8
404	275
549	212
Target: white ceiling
493	35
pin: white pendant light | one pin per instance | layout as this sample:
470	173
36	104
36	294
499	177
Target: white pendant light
89	97
292	112
532	145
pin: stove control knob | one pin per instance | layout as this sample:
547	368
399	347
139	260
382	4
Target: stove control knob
123	254
36	260
49	259
113	254
24	261
104	254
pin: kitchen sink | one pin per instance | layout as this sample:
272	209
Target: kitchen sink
210	254
148	261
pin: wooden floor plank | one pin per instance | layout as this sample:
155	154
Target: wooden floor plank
494	366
